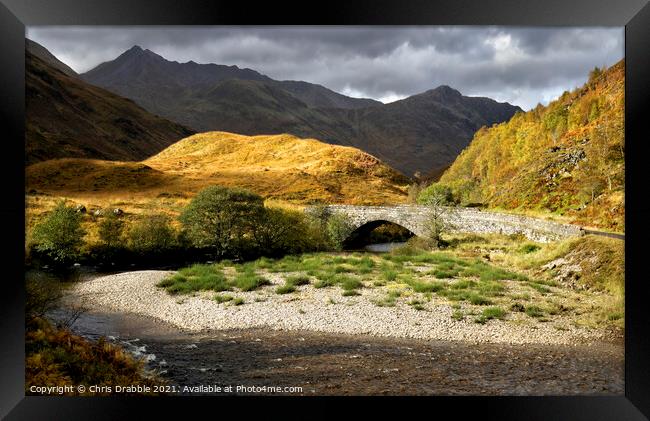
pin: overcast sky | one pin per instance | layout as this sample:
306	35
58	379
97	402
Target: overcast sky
519	65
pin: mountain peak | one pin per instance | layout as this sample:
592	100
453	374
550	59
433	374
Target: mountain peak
446	90
137	51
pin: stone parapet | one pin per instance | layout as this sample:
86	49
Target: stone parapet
470	220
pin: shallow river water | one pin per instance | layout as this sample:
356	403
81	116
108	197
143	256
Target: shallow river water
382	247
333	364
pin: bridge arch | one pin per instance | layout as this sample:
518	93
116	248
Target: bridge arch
363	233
403	216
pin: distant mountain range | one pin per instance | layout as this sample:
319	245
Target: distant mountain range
567	157
67	117
423	133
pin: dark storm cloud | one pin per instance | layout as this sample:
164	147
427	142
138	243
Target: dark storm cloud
523	66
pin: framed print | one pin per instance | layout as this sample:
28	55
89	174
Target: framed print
395	204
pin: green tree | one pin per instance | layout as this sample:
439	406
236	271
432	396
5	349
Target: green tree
414	191
595	73
152	234
222	218
111	230
440	193
60	235
339	229
441	217
316	228
318	215
281	231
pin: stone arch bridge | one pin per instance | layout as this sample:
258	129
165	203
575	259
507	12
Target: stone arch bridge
470	220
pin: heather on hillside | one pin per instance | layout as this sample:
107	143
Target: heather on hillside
567	158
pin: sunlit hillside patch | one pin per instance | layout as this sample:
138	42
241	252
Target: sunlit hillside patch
285	170
279	167
567	158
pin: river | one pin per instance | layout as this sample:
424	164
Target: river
334	364
382	247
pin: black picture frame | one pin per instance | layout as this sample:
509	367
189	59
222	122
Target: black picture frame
633	14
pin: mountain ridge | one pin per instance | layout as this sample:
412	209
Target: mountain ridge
43	53
66	116
210	73
433	127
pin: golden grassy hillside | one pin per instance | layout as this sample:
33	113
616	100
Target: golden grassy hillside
567	158
281	168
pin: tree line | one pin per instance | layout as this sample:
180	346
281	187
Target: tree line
219	223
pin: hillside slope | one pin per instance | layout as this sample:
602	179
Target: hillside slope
432	127
280	167
67	117
41	52
567	158
251	107
423	132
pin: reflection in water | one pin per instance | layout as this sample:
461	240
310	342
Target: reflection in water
382	247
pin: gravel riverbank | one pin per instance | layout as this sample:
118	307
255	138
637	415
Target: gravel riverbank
339	364
311	309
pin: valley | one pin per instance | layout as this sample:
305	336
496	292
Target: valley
285	170
180	210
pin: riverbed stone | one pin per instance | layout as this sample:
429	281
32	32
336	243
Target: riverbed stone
136	292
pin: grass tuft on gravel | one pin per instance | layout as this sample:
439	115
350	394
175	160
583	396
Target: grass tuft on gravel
196	278
285	289
250	281
468	271
534	311
223	298
211	278
297	280
489	314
